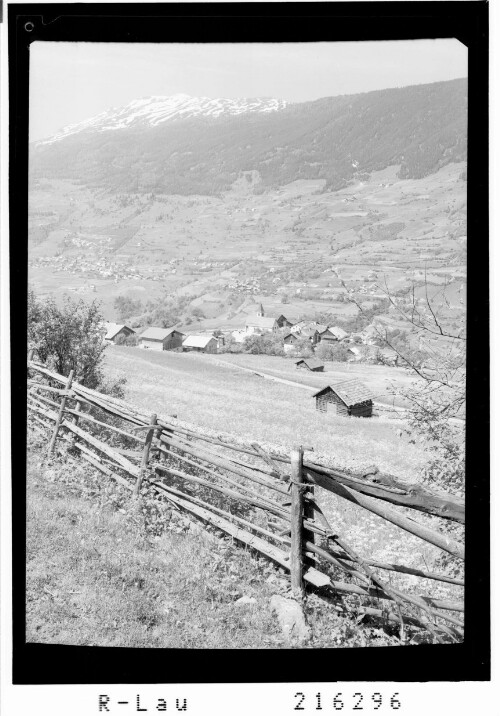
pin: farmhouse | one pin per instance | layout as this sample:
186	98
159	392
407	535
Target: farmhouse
350	397
310	364
260	324
298	327
115	331
310	333
326	335
289	341
200	344
339	333
283	322
161	339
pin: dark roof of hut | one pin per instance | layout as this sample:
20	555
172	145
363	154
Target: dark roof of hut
351	392
311	363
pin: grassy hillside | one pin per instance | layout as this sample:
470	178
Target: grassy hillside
420	127
383	381
202	392
101	573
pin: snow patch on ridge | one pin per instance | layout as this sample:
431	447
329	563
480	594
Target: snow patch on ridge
152	111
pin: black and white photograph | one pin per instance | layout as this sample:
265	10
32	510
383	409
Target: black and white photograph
247	270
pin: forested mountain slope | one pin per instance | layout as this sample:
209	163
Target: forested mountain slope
421	128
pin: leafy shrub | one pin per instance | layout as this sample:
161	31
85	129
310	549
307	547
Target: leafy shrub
333	351
69	338
302	348
268	344
126	307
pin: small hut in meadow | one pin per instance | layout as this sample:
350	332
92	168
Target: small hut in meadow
310	364
350	397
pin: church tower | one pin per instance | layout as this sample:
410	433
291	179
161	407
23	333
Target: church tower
260	312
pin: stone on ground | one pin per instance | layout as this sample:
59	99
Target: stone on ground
291	618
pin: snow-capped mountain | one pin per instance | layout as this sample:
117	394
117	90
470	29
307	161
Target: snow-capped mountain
152	111
151	145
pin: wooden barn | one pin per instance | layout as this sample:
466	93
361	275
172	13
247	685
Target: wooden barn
338	333
161	339
310	364
112	331
283	322
326	335
260	324
200	344
289	341
309	333
350	398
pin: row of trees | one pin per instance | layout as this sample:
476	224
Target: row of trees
164	311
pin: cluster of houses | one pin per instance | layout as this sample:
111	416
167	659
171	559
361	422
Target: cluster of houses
291	332
347	397
163	339
361	346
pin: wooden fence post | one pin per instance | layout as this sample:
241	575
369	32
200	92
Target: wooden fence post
60	414
296	523
310	513
78	408
145	455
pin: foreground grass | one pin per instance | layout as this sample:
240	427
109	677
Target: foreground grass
97	574
95	578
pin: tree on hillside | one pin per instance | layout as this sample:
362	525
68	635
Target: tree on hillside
126	307
333	351
69	337
302	348
267	343
436	398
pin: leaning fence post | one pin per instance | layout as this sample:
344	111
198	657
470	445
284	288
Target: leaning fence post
78	409
145	455
296	523
60	414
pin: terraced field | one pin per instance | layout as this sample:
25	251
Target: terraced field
295	248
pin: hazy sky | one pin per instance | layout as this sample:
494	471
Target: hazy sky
73	81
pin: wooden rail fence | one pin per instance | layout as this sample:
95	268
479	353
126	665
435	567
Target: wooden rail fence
277	496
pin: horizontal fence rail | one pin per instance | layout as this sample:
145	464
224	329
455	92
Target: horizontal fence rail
205	476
